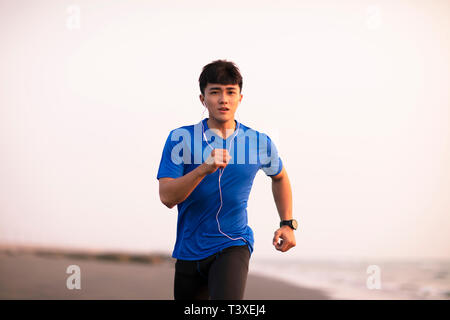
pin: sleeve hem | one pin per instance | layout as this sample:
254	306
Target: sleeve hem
278	172
166	176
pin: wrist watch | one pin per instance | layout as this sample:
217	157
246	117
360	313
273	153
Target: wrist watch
291	223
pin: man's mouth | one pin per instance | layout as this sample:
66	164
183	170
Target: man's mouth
223	109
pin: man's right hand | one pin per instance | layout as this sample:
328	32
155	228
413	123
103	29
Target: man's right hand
218	158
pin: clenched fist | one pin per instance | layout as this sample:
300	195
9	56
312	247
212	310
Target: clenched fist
218	158
284	239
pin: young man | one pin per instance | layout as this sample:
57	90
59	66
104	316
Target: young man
207	170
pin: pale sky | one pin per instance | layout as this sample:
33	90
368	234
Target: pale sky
355	95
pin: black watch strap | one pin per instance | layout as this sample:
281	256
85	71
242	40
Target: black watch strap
291	223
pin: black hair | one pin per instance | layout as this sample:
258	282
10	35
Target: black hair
220	71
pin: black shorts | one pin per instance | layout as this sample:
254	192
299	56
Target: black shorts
220	276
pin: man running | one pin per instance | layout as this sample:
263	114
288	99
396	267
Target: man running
207	170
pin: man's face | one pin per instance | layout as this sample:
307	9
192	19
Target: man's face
220	96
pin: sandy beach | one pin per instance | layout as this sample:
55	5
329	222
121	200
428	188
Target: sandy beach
42	275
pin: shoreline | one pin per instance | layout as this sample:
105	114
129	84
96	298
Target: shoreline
38	273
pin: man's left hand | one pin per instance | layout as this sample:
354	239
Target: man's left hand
287	237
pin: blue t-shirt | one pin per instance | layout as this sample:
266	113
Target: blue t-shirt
198	234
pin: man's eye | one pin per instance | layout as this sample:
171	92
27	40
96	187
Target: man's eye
229	92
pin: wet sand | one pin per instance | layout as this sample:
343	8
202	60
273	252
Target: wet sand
27	275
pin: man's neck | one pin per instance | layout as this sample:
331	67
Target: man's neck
223	129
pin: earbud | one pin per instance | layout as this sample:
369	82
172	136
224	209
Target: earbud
220	175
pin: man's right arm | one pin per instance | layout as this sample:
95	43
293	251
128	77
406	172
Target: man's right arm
173	191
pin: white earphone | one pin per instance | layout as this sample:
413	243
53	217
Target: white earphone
220	175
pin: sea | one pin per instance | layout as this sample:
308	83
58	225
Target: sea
363	279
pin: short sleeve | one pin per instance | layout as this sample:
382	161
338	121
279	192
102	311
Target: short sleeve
171	165
270	161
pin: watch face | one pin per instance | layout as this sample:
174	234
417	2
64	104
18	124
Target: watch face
294	224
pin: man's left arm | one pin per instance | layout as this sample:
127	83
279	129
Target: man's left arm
282	193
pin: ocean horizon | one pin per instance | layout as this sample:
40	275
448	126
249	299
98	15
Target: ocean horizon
343	278
398	279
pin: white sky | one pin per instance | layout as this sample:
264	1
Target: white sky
355	94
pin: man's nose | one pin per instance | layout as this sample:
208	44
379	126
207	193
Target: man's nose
223	98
